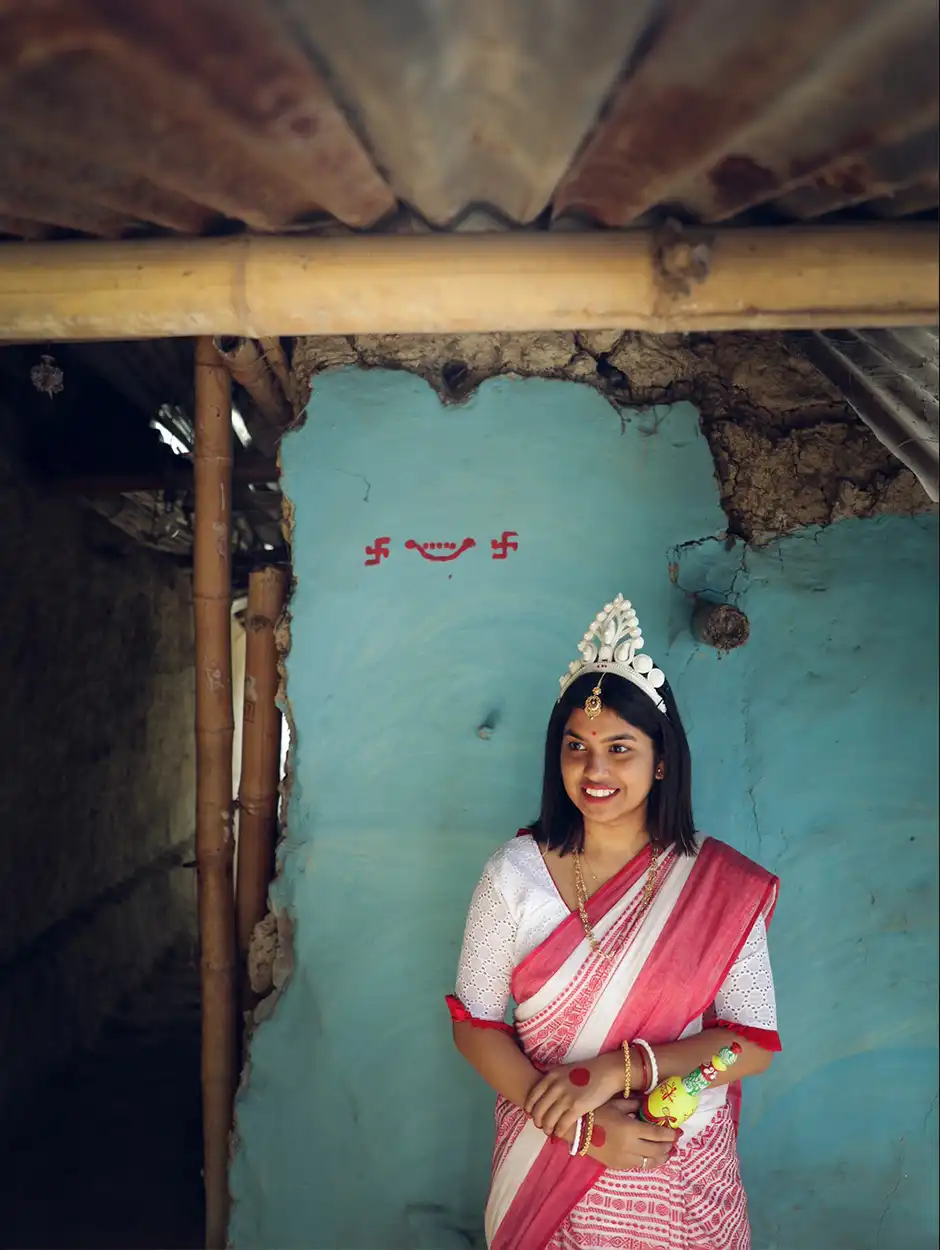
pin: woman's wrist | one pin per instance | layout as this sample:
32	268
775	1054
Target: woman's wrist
611	1074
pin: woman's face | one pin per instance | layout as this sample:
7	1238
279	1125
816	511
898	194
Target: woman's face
607	766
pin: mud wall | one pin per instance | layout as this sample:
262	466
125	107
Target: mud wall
96	744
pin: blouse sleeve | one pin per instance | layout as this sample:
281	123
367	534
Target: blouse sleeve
484	973
745	1003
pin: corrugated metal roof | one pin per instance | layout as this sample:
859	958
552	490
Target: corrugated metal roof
892	380
804	107
120	118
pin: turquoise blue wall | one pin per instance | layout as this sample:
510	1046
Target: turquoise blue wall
815	752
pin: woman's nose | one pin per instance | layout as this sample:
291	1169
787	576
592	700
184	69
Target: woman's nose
597	764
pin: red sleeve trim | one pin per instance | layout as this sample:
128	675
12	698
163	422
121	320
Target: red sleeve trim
767	1039
460	1015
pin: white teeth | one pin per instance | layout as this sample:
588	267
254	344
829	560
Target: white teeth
599	794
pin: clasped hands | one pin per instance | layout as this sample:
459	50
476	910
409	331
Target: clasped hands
620	1140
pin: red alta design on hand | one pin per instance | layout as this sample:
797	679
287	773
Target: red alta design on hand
598	1137
579	1076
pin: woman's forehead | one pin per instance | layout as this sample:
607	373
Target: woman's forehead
605	725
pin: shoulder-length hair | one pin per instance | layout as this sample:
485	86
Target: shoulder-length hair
560	827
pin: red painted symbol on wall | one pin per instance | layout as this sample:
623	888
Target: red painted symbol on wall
378	551
428	551
442	553
502	546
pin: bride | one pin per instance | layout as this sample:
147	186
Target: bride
632	951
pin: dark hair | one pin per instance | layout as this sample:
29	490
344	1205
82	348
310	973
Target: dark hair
560	827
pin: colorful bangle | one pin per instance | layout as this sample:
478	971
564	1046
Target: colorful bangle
627	1073
654	1066
577	1136
589	1133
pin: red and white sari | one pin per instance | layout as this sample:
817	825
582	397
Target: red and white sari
667	964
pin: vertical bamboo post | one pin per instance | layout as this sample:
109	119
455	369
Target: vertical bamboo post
214	733
261	754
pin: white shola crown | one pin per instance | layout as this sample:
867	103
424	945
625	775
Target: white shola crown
612	645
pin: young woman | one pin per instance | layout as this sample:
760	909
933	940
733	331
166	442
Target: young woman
633	952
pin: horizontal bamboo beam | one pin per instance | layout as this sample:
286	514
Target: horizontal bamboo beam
777	278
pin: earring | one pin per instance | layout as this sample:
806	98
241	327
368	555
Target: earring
660	772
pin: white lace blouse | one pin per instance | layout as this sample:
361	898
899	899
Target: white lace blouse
516	905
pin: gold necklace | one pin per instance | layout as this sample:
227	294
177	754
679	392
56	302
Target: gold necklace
582	896
593	873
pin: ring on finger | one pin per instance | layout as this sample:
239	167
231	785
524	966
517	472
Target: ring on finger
645	1161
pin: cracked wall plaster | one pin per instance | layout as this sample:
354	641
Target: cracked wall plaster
788	451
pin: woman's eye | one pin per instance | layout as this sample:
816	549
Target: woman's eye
575	746
619	748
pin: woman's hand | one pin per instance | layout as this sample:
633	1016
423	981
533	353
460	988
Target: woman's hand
565	1093
622	1142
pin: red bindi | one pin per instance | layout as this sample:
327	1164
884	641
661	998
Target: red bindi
598	1137
579	1076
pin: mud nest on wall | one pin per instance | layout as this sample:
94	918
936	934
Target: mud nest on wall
788	450
721	625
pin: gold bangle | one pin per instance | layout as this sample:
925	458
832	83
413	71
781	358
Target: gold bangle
627	1073
588	1134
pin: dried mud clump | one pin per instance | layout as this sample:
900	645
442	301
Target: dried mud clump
721	625
788	450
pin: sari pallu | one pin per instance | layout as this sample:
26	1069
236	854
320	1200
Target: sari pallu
666	964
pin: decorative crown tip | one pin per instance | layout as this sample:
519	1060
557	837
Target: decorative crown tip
612	644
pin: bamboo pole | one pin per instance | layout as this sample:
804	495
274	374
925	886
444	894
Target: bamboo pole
261	754
214	733
247	367
776	278
274	355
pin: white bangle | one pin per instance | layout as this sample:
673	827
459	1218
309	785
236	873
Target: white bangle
654	1066
576	1144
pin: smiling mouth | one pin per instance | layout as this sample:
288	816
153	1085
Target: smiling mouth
597	794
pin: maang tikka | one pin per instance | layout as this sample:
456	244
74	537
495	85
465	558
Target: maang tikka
592	704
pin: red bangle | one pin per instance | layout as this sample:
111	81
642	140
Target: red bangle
645	1065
